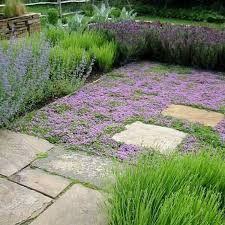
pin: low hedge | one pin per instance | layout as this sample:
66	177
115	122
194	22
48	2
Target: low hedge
186	45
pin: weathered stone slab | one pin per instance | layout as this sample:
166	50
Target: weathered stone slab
80	166
42	181
18	150
207	118
78	206
18	204
145	135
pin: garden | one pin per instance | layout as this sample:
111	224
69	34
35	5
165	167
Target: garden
139	85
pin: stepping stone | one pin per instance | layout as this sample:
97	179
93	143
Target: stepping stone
18	150
18	204
150	136
80	166
42	181
78	206
207	118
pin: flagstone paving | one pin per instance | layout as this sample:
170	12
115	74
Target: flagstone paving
18	204
205	117
155	137
18	150
78	206
91	169
41	181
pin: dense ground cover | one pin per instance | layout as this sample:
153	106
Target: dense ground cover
175	190
87	119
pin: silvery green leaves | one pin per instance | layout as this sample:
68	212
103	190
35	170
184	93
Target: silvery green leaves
23	76
102	13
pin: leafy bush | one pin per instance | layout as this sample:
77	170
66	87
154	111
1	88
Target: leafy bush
185	45
52	16
14	8
102	13
127	15
175	190
88	9
78	23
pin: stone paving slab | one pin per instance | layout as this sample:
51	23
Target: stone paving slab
80	166
145	135
78	206
207	118
18	203
18	150
42	181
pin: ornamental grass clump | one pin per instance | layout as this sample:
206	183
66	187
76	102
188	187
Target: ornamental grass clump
14	8
170	190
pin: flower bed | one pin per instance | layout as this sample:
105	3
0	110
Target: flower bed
88	119
186	45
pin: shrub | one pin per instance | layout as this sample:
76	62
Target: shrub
52	16
170	190
14	8
55	34
88	9
23	77
102	13
78	23
185	45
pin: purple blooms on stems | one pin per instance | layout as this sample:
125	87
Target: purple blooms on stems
24	73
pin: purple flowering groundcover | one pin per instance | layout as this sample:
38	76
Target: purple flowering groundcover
88	119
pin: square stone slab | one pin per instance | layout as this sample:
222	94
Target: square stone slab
207	118
145	135
42	181
18	150
18	204
78	206
80	166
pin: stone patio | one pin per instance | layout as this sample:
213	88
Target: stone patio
195	115
41	181
150	136
18	204
79	166
78	206
18	150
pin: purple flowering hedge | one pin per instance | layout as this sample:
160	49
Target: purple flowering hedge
187	45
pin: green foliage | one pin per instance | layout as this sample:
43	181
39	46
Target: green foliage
14	8
52	16
55	34
88	9
127	15
170	190
166	68
78	23
102	13
105	55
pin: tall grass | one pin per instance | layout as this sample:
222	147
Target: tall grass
179	190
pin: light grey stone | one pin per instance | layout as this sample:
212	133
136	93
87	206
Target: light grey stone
42	181
205	117
80	166
18	204
78	206
18	150
150	136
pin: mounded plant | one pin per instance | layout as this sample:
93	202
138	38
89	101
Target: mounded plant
14	8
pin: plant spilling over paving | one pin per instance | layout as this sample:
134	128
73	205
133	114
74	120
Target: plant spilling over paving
89	118
176	190
186	45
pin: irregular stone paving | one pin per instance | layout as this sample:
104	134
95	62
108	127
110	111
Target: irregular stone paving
80	166
78	206
145	135
208	118
18	203
39	180
18	150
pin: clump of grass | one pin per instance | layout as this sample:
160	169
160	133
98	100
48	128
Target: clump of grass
170	190
14	8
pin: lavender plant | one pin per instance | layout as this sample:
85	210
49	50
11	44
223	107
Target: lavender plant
23	76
